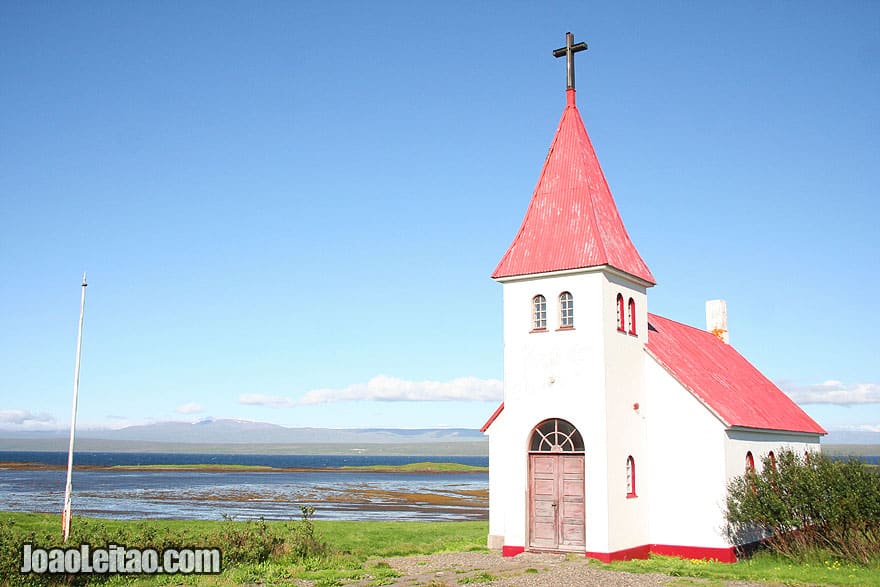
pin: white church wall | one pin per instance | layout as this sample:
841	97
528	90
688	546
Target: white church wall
627	431
553	374
686	465
740	441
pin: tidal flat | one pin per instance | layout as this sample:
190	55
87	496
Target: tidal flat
414	491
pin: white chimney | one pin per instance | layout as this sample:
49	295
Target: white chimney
716	319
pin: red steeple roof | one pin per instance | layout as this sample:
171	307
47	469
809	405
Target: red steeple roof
572	221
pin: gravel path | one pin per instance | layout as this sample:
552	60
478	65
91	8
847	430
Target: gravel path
525	570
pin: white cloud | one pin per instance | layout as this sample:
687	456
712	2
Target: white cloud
189	408
391	389
833	392
26	420
272	401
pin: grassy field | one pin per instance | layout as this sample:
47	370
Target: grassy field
356	550
353	546
762	567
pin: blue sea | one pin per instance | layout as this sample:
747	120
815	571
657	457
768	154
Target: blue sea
206	495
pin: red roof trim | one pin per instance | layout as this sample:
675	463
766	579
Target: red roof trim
723	380
572	221
491	419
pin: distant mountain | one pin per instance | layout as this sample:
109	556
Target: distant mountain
241	432
226	431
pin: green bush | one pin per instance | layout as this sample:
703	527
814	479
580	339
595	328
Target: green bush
304	541
803	508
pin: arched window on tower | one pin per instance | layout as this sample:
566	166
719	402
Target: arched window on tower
539	313
632	316
630	477
621	316
566	310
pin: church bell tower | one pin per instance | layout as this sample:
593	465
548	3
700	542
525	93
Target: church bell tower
575	327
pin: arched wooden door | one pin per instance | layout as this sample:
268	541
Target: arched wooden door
556	487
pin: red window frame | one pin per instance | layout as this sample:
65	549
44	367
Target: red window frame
631	477
621	316
632	316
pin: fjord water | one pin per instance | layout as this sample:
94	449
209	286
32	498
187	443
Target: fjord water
208	495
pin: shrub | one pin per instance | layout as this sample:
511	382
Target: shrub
258	541
304	541
247	542
802	507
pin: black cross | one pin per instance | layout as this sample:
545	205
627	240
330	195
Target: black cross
568	51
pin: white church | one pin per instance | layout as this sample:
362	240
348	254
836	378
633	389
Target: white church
619	429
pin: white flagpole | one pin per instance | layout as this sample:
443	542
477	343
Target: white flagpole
65	516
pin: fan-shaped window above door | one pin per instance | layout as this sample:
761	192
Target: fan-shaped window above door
556	436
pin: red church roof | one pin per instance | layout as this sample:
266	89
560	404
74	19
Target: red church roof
572	221
723	380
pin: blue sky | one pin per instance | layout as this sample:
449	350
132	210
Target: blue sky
289	211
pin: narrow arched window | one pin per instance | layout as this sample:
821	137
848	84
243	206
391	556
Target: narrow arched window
630	477
566	310
632	316
539	313
772	460
621	316
750	462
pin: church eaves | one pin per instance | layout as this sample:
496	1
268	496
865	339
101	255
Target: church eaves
572	221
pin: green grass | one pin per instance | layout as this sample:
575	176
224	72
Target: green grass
762	567
50	524
480	578
381	539
362	539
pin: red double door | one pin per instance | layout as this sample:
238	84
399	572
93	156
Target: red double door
556	502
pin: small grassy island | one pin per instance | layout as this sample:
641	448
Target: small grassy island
424	467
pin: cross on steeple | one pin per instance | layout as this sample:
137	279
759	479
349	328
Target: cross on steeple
568	51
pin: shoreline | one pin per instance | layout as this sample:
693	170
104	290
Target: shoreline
413	468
